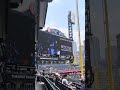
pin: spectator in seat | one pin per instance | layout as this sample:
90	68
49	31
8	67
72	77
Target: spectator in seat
65	81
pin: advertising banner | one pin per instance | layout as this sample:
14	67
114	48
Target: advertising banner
66	47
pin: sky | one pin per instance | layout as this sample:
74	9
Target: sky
57	17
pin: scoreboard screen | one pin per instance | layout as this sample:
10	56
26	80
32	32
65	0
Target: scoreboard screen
49	44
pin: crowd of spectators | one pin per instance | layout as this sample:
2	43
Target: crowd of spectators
69	79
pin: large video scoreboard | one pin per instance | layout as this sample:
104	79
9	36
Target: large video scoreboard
50	45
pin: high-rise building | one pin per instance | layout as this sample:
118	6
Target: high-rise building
74	47
78	55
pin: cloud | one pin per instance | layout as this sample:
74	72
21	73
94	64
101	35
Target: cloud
56	1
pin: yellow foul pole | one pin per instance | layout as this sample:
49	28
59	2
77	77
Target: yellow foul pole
80	49
75	62
109	58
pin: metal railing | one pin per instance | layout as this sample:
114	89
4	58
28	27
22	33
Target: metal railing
52	84
59	85
62	86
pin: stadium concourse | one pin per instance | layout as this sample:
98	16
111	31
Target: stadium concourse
50	77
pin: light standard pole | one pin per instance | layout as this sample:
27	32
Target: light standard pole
80	49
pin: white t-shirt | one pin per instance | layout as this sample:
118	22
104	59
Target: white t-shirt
64	81
82	78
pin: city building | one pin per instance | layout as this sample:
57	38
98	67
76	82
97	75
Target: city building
83	56
74	47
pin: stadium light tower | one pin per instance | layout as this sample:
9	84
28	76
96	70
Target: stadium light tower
71	21
80	48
